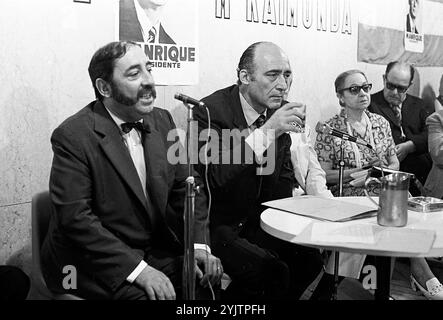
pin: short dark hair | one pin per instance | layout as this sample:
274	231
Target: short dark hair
103	62
247	60
394	63
340	80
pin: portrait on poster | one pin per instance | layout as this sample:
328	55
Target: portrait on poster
167	30
414	37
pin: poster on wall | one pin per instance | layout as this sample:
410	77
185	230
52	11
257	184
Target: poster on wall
413	36
167	30
406	30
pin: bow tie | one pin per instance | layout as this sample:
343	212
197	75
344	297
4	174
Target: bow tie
128	126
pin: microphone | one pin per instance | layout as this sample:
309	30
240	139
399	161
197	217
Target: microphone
322	127
189	100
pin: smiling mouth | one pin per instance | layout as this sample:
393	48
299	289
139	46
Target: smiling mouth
147	95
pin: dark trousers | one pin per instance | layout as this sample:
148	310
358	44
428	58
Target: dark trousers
14	283
325	286
262	266
172	266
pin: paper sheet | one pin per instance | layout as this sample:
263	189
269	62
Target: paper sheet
360	174
285	221
331	209
359	178
339	233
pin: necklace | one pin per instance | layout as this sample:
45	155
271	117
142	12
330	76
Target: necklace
368	132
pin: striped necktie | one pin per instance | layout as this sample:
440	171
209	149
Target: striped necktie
260	121
152	34
397	114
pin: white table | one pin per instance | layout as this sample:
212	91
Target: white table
298	229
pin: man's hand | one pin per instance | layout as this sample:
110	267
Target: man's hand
290	117
213	270
403	149
156	284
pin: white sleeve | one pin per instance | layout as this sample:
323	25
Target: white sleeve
134	274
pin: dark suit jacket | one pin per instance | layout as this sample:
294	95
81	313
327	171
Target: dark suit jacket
235	187
414	114
129	28
103	224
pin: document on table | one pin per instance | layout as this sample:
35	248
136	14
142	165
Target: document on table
339	233
285	222
323	208
371	236
359	178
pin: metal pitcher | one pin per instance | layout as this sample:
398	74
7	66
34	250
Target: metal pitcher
393	199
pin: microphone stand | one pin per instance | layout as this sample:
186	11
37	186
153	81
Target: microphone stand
341	169
191	189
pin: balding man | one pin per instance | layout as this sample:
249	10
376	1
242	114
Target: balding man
258	119
407	116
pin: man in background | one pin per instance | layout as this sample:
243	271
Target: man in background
140	21
259	265
407	117
118	202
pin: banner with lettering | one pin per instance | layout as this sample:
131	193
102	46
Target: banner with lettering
405	30
167	30
333	16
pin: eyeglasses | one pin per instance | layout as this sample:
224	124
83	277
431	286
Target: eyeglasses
356	89
392	86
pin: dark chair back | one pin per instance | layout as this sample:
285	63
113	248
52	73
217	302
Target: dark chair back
41	214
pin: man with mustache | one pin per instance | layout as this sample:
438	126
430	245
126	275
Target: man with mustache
118	203
259	265
406	115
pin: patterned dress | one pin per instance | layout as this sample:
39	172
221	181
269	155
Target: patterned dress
328	149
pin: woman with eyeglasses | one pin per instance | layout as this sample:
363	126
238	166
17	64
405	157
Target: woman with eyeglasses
353	92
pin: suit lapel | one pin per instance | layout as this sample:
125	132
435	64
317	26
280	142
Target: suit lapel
116	151
408	110
238	117
155	159
163	37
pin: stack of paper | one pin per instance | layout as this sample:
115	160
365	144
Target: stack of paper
330	209
359	178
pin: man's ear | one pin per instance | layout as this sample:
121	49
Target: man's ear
103	87
340	98
384	79
243	76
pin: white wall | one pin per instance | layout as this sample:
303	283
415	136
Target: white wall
46	46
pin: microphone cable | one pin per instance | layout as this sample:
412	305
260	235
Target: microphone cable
206	181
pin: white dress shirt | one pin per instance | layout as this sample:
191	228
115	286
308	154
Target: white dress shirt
307	170
258	139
